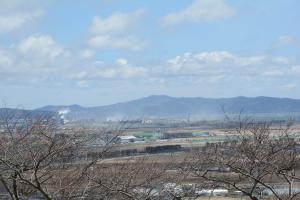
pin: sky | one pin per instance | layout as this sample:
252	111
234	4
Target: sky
99	52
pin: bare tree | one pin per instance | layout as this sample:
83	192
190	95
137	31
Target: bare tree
38	158
127	178
258	158
33	153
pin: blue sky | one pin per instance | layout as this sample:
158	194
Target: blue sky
99	52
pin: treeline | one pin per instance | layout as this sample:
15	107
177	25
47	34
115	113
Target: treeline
133	152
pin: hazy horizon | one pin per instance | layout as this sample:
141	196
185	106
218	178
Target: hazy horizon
20	106
109	51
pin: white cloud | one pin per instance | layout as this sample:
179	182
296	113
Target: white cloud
12	22
36	59
250	60
99	62
221	65
216	79
41	46
83	83
6	64
79	75
122	61
87	53
113	32
17	5
283	40
123	70
107	73
211	62
112	42
41	58
273	73
289	87
5	59
126	72
281	60
295	70
117	22
131	72
16	14
200	11
214	57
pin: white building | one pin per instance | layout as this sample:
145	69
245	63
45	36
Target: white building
127	139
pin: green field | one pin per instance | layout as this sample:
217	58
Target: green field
147	135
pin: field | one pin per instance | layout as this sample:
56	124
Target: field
186	137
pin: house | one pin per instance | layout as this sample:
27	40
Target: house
212	192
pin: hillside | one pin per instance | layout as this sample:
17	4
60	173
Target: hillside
160	106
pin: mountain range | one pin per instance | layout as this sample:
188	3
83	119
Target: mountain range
161	106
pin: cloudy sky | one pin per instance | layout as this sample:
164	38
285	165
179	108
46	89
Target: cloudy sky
100	52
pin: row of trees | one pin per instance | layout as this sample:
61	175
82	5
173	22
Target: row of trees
38	160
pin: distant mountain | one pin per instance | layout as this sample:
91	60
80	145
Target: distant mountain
15	113
160	106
